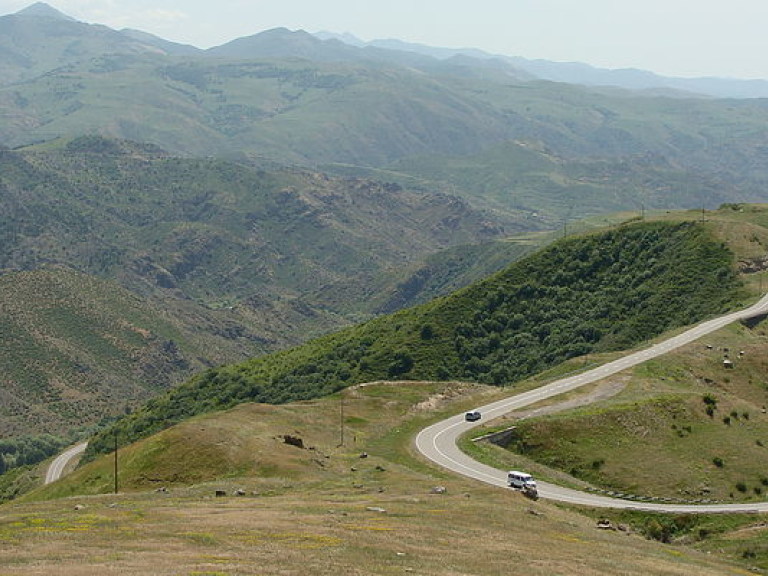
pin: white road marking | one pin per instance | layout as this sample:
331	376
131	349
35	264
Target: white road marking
438	441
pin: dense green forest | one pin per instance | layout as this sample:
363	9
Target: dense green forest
594	293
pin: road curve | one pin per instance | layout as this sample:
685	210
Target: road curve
438	442
56	469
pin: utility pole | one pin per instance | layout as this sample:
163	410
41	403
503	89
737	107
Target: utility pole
341	417
115	460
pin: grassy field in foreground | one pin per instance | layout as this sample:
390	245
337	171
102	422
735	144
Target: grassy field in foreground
320	509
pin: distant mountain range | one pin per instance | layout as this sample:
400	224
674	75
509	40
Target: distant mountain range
433	119
577	72
336	47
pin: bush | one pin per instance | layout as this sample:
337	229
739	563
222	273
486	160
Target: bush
717	461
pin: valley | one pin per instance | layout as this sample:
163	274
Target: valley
264	281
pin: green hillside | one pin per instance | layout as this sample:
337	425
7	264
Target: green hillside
36	41
594	293
553	150
698	428
280	242
227	261
538	147
318	507
77	349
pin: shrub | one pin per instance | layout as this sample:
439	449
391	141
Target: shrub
717	461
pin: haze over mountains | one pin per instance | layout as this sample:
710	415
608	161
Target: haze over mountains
579	72
396	50
283	185
556	150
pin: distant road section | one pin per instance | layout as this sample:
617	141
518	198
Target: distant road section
56	469
438	442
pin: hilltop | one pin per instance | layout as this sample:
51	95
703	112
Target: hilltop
587	294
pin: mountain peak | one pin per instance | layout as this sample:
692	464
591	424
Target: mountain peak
43	10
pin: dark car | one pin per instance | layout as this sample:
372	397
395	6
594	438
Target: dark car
472	416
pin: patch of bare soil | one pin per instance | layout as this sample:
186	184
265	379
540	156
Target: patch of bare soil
601	392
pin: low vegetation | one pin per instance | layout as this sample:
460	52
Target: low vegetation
223	233
301	497
79	350
126	270
588	294
698	426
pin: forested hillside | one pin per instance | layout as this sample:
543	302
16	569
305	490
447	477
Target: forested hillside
594	293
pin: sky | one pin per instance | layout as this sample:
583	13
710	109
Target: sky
685	38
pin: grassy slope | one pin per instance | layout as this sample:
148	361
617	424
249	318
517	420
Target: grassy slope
312	510
216	230
532	178
78	349
662	414
229	262
661	419
320	488
600	292
656	439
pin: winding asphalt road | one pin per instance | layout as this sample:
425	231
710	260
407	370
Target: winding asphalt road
438	442
56	469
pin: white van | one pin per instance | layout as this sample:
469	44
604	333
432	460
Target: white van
521	480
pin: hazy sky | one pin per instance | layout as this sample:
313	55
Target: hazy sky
670	37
